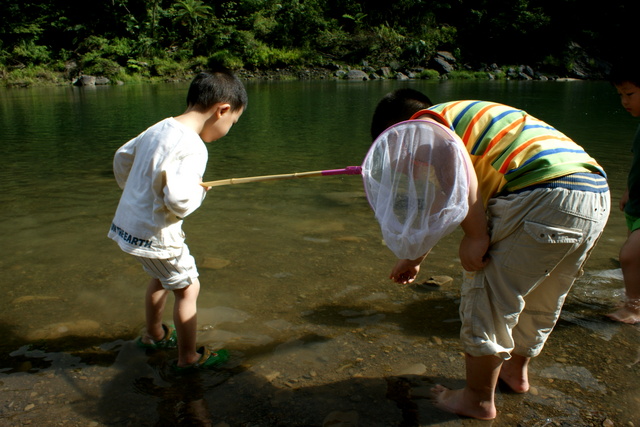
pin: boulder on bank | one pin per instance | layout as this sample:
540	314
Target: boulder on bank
91	81
356	75
443	62
85	81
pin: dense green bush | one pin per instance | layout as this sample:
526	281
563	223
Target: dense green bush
27	52
429	74
160	38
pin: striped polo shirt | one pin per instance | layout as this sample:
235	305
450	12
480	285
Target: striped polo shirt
512	150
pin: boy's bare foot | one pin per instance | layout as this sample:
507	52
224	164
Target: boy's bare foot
625	315
515	373
516	385
455	401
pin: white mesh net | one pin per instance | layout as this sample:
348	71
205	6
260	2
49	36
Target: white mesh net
417	182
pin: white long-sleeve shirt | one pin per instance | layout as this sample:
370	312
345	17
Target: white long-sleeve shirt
160	172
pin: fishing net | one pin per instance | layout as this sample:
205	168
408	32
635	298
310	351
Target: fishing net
417	182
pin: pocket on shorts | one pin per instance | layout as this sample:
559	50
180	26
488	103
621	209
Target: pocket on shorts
537	248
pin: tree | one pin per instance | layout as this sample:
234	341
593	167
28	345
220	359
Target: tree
191	13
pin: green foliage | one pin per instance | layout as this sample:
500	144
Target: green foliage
263	23
468	75
386	45
30	76
358	18
258	54
118	49
101	67
163	38
197	63
335	44
226	59
429	74
27	52
168	69
192	14
269	57
138	67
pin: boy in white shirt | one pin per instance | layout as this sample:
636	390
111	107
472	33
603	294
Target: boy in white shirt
160	172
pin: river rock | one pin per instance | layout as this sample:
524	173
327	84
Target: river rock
438	281
441	65
385	72
356	75
85	81
415	369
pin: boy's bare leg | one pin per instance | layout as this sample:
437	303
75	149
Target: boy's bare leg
155	300
476	400
186	322
515	373
630	263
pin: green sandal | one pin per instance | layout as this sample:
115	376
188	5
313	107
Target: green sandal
170	340
208	360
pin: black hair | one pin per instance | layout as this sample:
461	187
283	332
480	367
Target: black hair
625	71
397	106
217	85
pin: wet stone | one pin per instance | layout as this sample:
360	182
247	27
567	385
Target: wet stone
437	281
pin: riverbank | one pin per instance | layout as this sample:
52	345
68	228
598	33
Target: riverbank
444	68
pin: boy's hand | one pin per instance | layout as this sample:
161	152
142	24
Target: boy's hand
204	186
473	251
406	270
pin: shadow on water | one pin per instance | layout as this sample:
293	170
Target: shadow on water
425	318
19	354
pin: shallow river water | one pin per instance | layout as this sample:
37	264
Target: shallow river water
294	273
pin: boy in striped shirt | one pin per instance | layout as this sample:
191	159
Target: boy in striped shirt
541	205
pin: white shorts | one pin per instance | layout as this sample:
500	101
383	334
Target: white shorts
540	240
173	273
